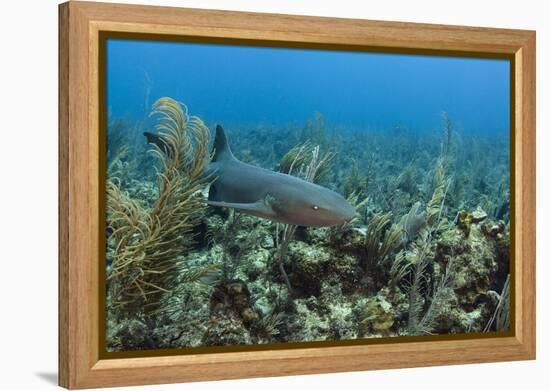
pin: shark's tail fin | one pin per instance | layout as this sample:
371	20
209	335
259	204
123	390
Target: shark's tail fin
221	147
151	138
160	142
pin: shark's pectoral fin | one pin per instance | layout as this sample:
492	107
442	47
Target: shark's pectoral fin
259	208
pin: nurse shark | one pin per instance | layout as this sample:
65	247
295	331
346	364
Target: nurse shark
268	194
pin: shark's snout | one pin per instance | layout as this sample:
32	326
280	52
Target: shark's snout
341	211
330	209
347	212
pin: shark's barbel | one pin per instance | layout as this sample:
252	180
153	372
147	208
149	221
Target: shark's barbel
271	195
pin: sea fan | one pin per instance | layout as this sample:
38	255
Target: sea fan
413	222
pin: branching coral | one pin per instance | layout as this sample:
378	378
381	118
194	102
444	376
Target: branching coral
146	244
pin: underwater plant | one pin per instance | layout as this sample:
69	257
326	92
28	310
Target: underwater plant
428	296
436	205
426	303
501	316
297	160
120	161
446	143
295	157
407	181
314	130
116	163
354	182
117	139
503	308
380	241
146	245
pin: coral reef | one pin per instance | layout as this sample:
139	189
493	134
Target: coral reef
428	251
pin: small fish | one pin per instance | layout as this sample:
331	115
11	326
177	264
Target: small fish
271	195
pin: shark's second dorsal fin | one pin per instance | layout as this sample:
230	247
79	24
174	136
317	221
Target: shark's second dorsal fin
221	147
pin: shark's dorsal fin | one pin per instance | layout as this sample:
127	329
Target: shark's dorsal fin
221	146
159	141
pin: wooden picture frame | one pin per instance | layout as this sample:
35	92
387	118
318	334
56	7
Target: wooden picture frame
80	26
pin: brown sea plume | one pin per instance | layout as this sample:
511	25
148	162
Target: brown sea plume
147	245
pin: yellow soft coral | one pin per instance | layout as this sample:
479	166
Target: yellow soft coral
146	245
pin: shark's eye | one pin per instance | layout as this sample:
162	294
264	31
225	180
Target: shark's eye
315	207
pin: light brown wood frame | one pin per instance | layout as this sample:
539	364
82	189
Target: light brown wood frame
80	23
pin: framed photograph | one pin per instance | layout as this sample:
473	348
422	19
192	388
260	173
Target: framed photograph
247	195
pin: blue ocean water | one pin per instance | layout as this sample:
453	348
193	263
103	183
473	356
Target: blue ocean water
240	84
